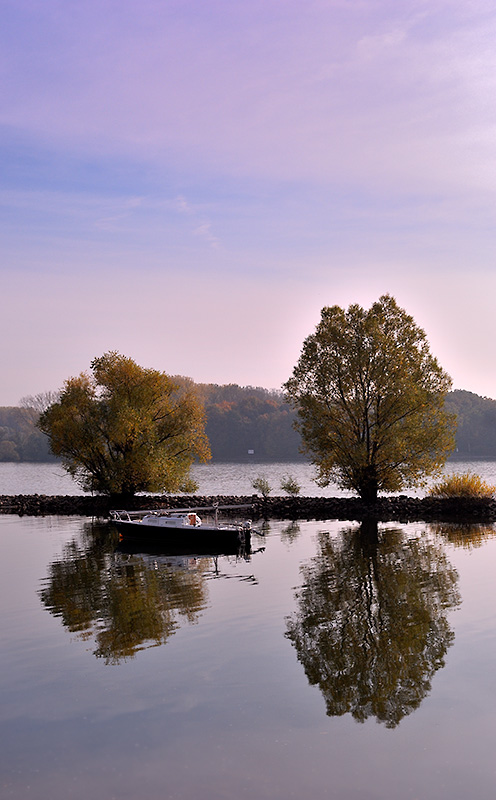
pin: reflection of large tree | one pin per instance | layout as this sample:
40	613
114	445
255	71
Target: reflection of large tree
124	602
371	627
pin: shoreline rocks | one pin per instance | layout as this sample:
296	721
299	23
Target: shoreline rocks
401	509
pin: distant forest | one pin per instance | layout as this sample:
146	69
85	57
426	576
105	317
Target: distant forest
254	424
20	439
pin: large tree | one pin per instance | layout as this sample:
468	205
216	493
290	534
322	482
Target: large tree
370	400
125	429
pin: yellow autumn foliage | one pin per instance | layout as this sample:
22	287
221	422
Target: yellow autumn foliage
463	485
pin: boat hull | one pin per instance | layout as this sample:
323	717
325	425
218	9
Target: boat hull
187	539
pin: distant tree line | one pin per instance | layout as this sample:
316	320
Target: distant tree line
248	423
20	439
476	424
255	424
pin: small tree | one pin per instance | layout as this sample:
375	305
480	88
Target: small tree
41	401
370	400
262	485
290	485
126	429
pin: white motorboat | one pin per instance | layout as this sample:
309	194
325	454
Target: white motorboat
180	525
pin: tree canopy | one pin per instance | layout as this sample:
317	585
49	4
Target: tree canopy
126	429
370	400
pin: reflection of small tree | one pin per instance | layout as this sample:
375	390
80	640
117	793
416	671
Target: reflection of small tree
290	485
264	527
143	607
125	604
371	627
262	485
291	532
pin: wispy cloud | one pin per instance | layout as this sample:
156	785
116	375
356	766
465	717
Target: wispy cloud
182	205
202	228
114	221
205	232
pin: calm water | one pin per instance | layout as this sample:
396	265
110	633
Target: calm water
326	664
212	479
332	662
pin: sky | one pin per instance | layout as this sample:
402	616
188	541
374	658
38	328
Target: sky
189	182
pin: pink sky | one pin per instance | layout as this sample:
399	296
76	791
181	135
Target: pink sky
189	182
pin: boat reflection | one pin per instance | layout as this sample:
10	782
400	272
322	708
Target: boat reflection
240	549
124	597
371	626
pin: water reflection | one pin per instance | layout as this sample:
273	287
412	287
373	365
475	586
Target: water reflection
466	535
291	532
371	627
125	601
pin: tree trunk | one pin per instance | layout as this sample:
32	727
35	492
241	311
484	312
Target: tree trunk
124	500
368	485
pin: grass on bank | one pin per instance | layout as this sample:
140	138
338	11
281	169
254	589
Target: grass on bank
464	485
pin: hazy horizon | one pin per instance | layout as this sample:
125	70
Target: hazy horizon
241	386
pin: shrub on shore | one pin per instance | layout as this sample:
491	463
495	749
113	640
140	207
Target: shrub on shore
262	485
290	485
465	485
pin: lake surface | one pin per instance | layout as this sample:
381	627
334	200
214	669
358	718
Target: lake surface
331	662
212	479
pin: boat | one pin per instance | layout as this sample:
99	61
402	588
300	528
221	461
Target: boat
183	527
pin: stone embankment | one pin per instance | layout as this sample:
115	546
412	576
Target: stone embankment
401	509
